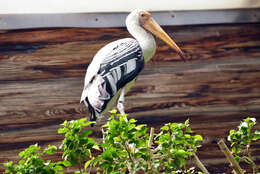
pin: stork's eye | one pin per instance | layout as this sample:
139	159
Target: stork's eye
142	14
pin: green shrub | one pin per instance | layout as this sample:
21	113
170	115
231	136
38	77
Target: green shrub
241	140
125	146
32	163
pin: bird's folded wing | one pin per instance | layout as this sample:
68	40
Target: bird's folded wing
105	55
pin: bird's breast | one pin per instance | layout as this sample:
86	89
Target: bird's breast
148	45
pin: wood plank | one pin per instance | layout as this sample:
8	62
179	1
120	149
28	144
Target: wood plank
42	73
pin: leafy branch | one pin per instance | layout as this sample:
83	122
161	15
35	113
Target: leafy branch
138	151
126	147
31	162
241	140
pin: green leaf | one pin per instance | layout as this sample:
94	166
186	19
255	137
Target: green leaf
231	132
132	120
62	130
105	126
198	137
116	138
88	163
188	130
237	158
96	147
58	167
165	128
50	150
7	171
236	149
248	160
182	161
96	161
59	163
140	127
64	123
88	152
88	123
81	121
187	122
8	164
21	162
256	135
66	163
114	111
86	133
187	136
21	154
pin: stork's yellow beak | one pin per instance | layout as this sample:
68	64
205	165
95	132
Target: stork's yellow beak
151	25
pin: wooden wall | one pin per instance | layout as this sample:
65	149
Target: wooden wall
42	73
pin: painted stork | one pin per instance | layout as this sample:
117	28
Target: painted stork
115	67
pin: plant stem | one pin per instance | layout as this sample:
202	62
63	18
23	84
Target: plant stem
127	148
230	157
103	138
200	164
128	152
79	166
150	142
252	163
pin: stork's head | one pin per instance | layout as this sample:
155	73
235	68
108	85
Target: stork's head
145	20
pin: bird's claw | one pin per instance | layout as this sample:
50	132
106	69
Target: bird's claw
120	107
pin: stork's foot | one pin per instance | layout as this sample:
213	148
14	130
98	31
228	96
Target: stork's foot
120	103
121	108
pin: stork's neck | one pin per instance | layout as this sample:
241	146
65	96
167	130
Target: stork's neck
145	39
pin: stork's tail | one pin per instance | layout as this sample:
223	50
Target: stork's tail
93	116
84	95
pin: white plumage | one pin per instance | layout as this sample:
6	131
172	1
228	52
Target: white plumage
115	67
103	55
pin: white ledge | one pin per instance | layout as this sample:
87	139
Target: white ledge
106	20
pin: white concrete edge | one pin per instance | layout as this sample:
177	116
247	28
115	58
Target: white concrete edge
104	20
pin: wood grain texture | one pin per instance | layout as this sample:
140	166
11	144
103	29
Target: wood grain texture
42	73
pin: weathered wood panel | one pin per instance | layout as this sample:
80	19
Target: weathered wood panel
42	73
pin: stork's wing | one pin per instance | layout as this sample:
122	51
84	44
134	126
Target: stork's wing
107	59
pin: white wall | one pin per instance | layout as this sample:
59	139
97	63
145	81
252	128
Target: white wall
79	6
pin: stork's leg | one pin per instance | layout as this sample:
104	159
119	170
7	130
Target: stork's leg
121	101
